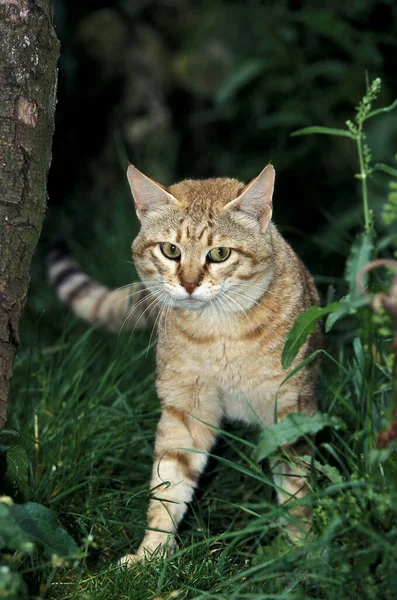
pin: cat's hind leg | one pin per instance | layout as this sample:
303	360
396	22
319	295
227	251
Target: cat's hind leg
291	474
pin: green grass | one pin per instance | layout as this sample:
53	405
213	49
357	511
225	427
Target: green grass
84	409
93	398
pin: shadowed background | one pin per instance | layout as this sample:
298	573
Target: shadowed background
200	89
186	89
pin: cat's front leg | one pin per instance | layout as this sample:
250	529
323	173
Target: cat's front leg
182	443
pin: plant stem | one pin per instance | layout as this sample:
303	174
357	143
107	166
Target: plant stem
363	177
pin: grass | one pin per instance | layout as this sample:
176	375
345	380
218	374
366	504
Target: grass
94	400
84	409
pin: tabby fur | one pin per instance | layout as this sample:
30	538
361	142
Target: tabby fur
221	330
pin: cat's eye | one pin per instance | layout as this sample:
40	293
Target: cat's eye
218	255
170	250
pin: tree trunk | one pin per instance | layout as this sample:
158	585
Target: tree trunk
29	52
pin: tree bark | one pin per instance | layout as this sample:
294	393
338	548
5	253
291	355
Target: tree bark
29	52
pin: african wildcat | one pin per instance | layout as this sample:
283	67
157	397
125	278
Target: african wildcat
226	288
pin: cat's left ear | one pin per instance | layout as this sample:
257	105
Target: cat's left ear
256	197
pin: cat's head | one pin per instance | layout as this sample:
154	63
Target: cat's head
204	243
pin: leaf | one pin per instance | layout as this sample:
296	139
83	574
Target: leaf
304	325
360	255
12	536
240	77
332	473
339	313
17	471
302	365
323	131
347	307
42	527
290	429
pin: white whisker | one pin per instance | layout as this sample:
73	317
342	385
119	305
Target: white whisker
140	291
137	305
241	308
232	291
155	302
157	320
262	289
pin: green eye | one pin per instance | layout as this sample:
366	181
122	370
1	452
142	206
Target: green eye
170	250
218	255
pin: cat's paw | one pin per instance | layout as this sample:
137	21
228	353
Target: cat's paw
130	559
145	554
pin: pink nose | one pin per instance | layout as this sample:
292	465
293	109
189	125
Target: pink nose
189	287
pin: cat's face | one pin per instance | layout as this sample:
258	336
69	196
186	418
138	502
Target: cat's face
203	244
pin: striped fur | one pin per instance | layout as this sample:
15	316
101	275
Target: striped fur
221	331
93	302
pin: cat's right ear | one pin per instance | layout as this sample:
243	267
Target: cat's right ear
148	194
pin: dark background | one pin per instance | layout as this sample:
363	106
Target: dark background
198	89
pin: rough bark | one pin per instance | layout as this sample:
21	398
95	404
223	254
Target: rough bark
29	52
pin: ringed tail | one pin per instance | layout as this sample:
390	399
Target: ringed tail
115	310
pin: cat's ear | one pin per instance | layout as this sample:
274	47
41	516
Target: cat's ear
256	197
148	194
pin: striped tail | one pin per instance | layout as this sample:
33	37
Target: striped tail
125	308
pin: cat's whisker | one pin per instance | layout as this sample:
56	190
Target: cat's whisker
232	291
158	320
221	311
123	287
155	302
241	308
149	310
137	305
264	290
143	300
139	282
142	290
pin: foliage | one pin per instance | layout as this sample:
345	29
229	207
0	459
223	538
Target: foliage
91	416
189	90
290	429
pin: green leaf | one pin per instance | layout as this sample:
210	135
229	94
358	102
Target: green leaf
239	78
339	313
42	527
323	131
304	325
302	365
361	253
331	473
290	429
17	472
347	306
12	536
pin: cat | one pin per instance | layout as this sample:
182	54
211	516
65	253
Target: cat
225	288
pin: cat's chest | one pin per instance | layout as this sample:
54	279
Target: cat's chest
236	368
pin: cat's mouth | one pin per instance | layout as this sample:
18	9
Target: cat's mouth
190	302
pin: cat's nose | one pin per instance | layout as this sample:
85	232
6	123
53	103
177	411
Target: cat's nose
190	286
